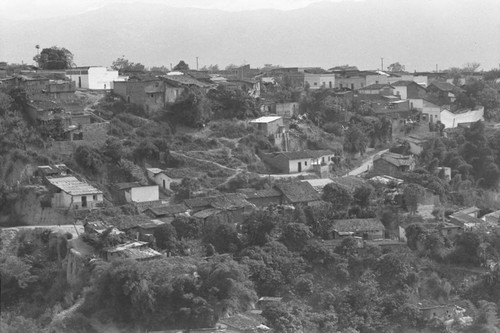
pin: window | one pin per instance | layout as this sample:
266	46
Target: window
94	197
152	95
315	83
305	163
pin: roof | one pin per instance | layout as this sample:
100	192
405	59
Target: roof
185	80
298	192
350	182
468	210
254	194
203	214
266	119
245	322
376	86
222	202
154	171
124	222
495	215
135	250
73	186
53	169
464	218
403	83
126	186
353	225
445	86
318	184
304	154
168	210
397	159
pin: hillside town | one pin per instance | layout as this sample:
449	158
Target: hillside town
245	199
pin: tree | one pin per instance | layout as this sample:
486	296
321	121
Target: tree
181	66
362	195
355	140
471	67
296	235
338	195
396	67
185	189
166	237
412	194
54	58
124	65
89	158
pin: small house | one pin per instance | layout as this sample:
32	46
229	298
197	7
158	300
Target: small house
70	192
262	198
493	218
135	192
161	178
298	193
368	229
94	77
299	161
377	89
268	125
391	164
161	212
442	312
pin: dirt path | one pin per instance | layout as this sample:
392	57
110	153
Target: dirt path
175	154
366	165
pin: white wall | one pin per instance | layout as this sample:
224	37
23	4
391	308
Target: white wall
294	165
143	193
64	200
417	103
401	91
100	78
451	120
317	81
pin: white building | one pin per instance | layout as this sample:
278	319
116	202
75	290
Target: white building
452	120
94	78
161	178
73	193
317	81
135	192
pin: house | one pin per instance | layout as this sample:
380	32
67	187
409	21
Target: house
416	144
446	229
471	211
461	117
70	192
349	182
377	89
135	192
262	198
287	109
161	178
233	206
411	90
94	77
391	164
134	250
319	80
467	218
247	322
444	92
492	219
268	125
299	161
431	111
368	229
298	193
442	312
318	184
170	211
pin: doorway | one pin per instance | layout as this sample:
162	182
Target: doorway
79	82
84	201
163	183
299	166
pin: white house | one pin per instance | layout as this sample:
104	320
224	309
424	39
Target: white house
298	161
94	78
317	81
452	120
161	178
69	192
135	192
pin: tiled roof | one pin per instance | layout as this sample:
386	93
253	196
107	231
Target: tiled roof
318	184
354	225
468	210
397	159
73	186
223	202
350	182
445	86
124	222
203	214
185	80
402	83
253	194
298	192
376	86
464	218
168	210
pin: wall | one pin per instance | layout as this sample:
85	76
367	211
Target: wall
293	165
287	109
131	91
317	81
61	200
382	167
159	178
354	83
101	79
451	120
431	110
144	193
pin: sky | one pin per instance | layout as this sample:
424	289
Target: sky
31	9
420	34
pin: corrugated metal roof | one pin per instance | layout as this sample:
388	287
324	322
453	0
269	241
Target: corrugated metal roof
73	186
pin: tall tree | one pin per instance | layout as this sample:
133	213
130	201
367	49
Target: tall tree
54	58
396	67
181	66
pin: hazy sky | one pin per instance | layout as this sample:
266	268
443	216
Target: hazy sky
30	9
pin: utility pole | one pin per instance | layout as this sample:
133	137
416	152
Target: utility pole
196	63
382	64
436	68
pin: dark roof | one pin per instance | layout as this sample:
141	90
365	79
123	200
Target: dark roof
223	202
298	192
160	211
376	86
468	210
445	86
354	225
126	186
350	182
464	218
403	83
124	222
397	159
254	194
184	80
